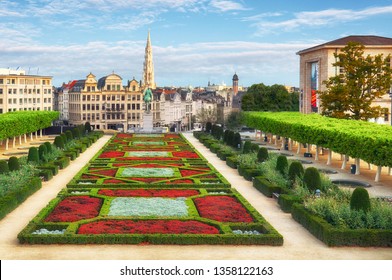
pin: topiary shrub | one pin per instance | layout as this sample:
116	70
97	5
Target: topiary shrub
360	200
59	142
247	147
33	155
76	133
226	136
69	135
237	143
13	163
48	147
42	151
282	164
3	167
296	170
208	127
254	147
262	154
312	179
87	127
64	136
230	138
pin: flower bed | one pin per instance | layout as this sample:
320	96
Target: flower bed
131	193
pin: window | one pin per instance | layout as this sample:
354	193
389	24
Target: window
1	101
1	91
1	81
97	98
133	88
118	87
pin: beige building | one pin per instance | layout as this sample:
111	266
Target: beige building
21	92
105	103
316	67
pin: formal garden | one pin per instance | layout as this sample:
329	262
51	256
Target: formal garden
337	216
149	189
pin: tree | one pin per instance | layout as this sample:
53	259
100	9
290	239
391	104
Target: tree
234	120
260	97
364	79
206	115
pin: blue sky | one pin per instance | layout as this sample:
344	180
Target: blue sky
194	41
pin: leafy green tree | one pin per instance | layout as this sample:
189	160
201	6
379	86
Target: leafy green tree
260	97
350	94
206	115
234	121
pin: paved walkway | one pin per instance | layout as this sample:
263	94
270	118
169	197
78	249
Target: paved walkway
299	244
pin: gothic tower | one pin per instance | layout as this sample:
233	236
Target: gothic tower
148	67
235	84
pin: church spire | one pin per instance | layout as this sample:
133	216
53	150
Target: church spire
148	67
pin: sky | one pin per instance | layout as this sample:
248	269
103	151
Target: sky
194	41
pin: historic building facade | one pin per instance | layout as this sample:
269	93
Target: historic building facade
316	66
21	92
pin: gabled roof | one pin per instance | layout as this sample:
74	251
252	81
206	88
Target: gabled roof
366	40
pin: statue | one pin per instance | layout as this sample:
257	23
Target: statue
147	97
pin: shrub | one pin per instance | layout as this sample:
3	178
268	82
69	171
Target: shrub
262	154
48	147
42	151
69	135
33	155
13	164
237	140
226	136
282	164
247	147
312	178
76	133
87	127
360	200
59	142
230	138
254	147
208	127
296	170
3	167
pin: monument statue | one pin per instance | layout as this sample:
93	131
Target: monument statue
147	97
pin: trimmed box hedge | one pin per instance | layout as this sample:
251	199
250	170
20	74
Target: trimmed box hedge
232	162
264	186
334	236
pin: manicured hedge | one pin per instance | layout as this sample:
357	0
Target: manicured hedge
333	236
18	123
14	199
264	186
358	139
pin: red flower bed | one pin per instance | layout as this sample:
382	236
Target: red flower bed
185	154
124	135
75	208
105	172
183	181
222	208
147	227
113	181
148	193
186	172
147	158
111	154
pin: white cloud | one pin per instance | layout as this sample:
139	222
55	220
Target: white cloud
174	65
317	18
227	5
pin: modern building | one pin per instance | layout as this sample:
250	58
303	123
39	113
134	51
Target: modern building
21	92
316	66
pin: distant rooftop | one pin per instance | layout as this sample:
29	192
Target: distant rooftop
367	40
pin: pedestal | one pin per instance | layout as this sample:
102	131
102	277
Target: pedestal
147	122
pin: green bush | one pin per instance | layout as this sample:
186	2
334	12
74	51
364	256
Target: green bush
230	138
312	179
262	154
282	164
33	155
13	164
59	142
360	200
48	147
226	136
3	167
76	133
254	148
42	151
69	135
64	136
237	141
208	127
296	170
87	127
247	147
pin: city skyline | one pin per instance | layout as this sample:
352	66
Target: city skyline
193	41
